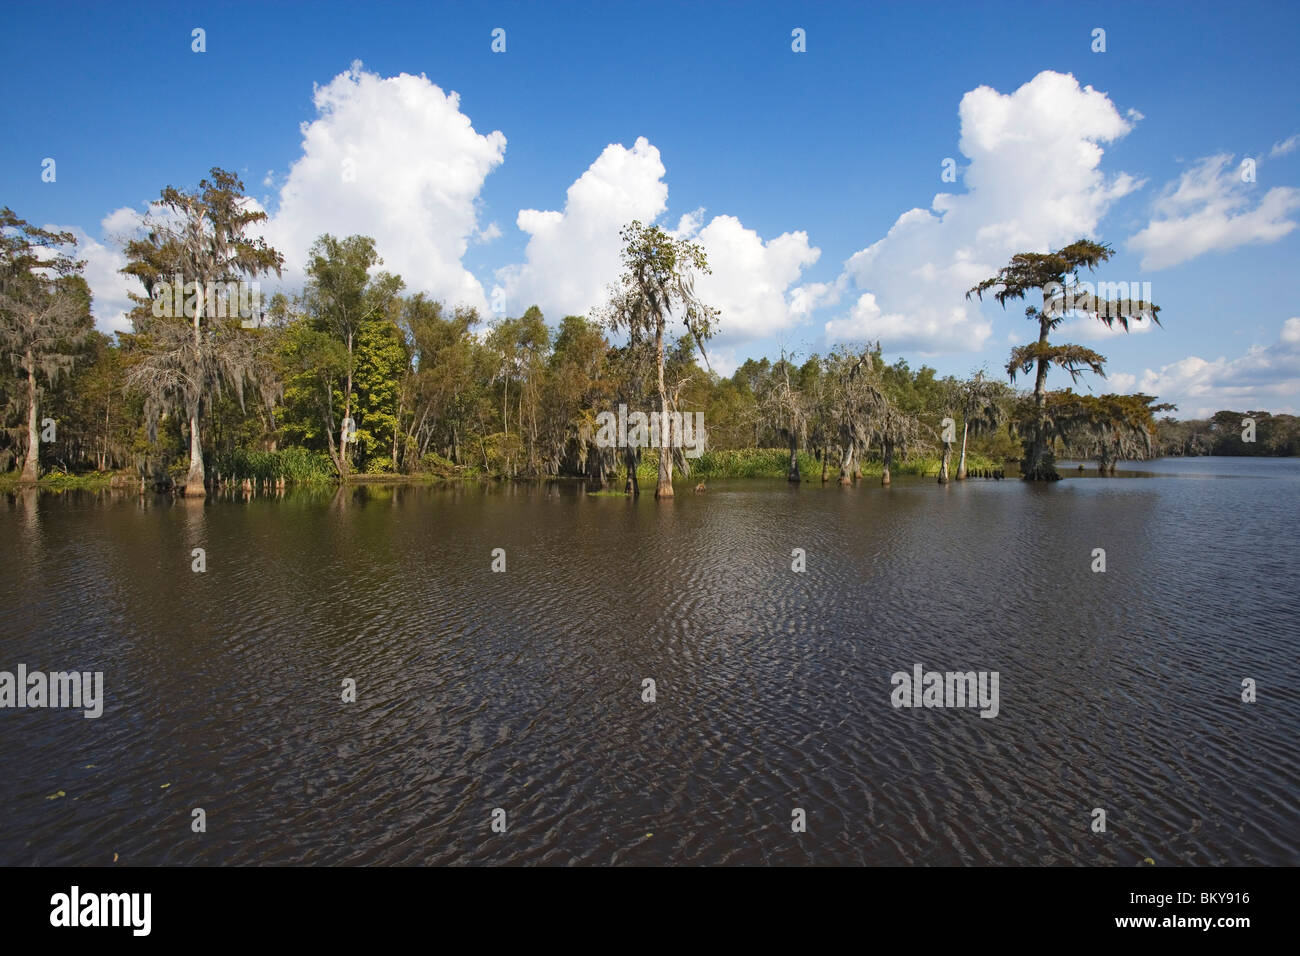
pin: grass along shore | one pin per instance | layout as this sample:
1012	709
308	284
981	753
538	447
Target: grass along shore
57	480
775	463
296	467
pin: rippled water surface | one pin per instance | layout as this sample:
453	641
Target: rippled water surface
522	690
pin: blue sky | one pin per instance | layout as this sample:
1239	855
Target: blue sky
810	177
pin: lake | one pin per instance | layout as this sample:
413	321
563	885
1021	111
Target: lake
522	690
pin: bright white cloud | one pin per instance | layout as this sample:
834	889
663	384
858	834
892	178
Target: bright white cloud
724	360
395	159
749	277
1121	383
109	288
572	256
392	158
1033	182
1266	377
1210	209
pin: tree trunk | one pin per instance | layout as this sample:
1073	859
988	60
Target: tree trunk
888	449
794	476
633	486
532	434
826	462
664	489
31	464
943	465
103	454
961	465
347	414
1038	464
194	480
397	428
846	465
327	419
505	400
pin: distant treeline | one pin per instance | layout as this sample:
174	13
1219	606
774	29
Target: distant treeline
1227	433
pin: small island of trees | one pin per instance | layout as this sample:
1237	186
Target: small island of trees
354	378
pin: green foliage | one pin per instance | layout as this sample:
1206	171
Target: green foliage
1222	434
1106	428
309	361
775	462
58	480
381	362
436	396
44	325
752	463
436	466
292	464
350	309
301	465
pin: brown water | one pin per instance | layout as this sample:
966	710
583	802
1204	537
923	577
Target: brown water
522	690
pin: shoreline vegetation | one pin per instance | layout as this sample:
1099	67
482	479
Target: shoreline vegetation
757	463
771	464
353	380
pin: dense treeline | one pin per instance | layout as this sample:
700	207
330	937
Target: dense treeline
1228	433
355	375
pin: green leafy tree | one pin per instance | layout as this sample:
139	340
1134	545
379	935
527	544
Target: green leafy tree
445	388
381	363
44	317
340	297
96	420
581	385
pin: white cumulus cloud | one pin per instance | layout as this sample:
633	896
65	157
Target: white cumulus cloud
1120	383
750	277
393	158
1033	182
573	256
108	286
